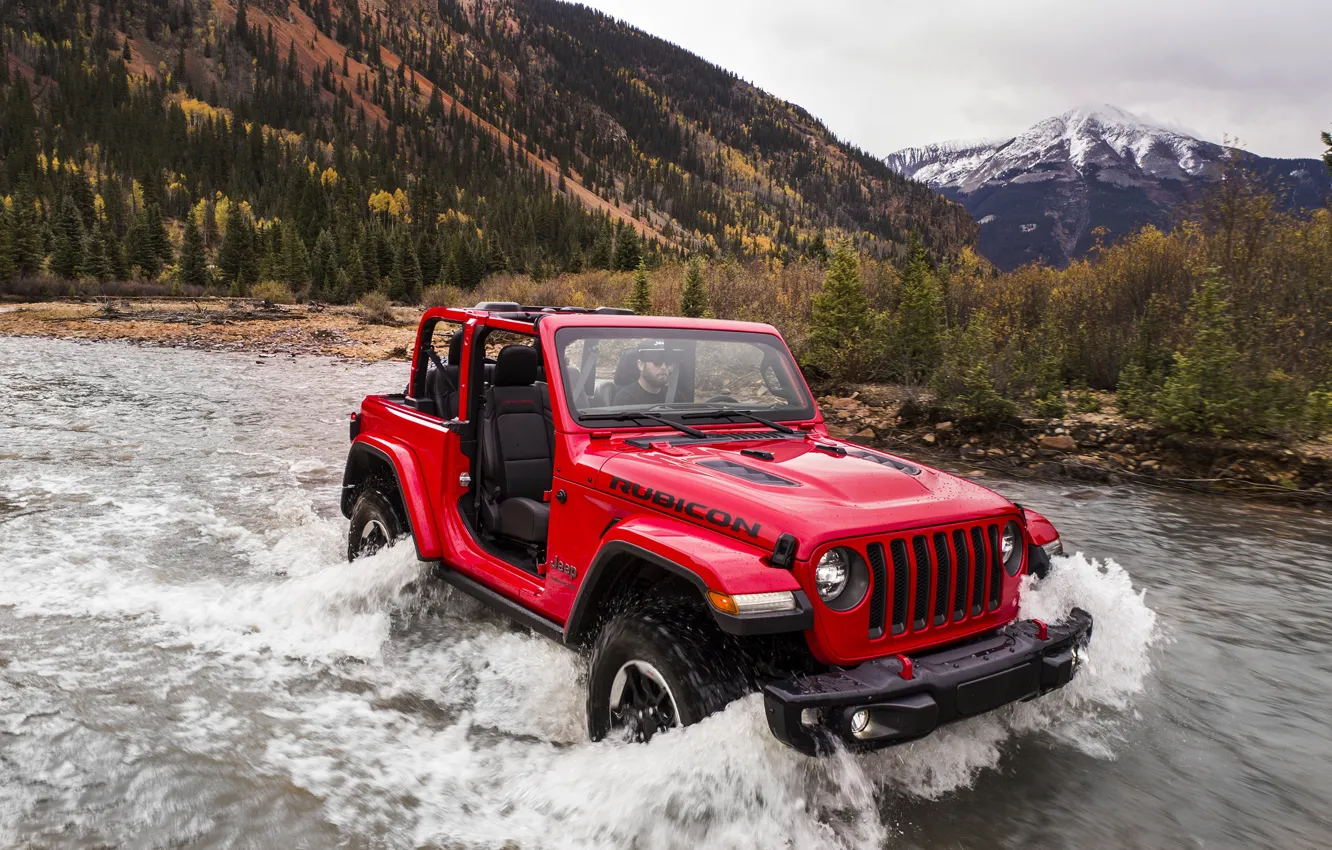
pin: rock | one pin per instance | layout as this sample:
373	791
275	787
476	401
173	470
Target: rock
1059	443
996	452
944	426
1150	465
866	432
844	403
930	438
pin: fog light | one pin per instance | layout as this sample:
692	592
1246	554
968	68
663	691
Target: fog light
860	721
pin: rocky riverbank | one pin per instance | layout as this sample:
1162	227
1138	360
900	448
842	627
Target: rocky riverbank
1099	447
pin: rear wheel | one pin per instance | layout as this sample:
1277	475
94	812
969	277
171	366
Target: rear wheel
374	524
657	669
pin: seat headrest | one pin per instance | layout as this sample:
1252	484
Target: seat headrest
516	366
455	348
626	372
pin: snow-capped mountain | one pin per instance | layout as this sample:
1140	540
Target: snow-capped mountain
1040	195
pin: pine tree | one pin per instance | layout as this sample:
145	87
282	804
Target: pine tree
841	320
293	265
1206	393
96	263
7	268
694	298
25	235
920	319
406	276
237	259
324	268
116	259
641	300
209	227
193	268
600	256
357	283
1327	157
139	251
626	248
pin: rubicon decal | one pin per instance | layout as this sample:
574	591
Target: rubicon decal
693	510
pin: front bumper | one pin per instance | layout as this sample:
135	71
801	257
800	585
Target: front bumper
1015	663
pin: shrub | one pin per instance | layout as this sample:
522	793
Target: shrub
964	380
374	307
273	292
442	295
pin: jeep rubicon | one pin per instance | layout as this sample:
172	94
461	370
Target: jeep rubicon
664	494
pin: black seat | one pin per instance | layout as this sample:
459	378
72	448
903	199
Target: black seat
626	373
517	450
443	383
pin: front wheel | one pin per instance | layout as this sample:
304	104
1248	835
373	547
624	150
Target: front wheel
653	670
374	525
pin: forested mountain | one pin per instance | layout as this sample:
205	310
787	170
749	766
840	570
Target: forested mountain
336	144
1044	195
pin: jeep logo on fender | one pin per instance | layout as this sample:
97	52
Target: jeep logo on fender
693	510
563	567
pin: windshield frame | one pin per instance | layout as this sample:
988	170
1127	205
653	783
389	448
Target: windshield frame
598	418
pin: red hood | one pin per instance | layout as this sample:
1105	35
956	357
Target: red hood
825	496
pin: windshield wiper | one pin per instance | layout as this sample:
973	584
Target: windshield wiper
743	414
629	415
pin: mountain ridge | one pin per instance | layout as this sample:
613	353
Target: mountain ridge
1041	194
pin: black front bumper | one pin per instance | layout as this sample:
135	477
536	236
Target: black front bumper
1013	664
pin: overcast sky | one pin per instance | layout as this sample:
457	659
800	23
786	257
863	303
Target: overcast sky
887	74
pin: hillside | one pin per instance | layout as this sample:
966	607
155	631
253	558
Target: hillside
411	141
1043	194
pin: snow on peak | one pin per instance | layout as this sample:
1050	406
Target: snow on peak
1126	148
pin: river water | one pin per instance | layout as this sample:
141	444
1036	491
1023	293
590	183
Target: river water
186	661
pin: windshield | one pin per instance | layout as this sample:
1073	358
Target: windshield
679	373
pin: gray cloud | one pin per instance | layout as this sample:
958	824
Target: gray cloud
888	74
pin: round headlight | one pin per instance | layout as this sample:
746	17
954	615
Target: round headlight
831	574
841	578
1010	548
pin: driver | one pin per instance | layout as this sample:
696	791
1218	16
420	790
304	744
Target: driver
654	373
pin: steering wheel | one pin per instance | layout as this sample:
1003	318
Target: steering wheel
724	399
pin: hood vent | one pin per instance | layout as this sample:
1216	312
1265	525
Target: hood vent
884	460
747	473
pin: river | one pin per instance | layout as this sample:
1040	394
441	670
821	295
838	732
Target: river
187	661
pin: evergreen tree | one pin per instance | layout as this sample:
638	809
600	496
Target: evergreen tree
67	242
96	262
693	297
293	266
600	256
209	226
116	259
841	320
7	268
25	235
920	319
626	248
641	300
357	283
406	277
1206	393
324	268
139	252
193	268
1327	157
427	253
237	260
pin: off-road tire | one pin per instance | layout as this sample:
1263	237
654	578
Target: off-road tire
702	671
375	523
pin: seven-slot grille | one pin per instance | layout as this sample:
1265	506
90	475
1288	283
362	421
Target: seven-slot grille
931	578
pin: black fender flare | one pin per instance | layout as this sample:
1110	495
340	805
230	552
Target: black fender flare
600	577
365	454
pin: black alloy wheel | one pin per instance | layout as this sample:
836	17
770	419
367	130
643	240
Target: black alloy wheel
374	524
659	668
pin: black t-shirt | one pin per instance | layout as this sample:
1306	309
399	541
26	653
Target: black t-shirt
635	394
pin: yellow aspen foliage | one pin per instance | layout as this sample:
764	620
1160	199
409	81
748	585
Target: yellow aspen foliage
329	178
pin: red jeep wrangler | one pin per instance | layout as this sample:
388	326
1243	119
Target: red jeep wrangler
664	492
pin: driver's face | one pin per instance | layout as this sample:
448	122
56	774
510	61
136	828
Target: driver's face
654	373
